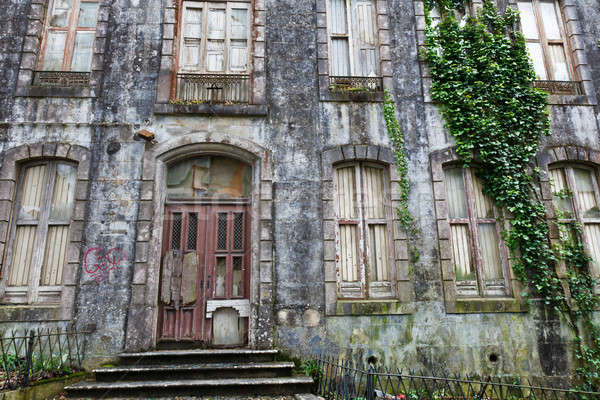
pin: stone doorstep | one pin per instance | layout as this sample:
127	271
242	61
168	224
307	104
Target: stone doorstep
304	396
195	367
189	383
198	356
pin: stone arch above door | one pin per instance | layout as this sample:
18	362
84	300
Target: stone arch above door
142	319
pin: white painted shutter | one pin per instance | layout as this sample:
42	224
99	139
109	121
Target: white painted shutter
55	50
238	38
586	195
350	284
346	193
191	42
59	15
338	29
592	233
461	251
364	23
82	52
215	45
378	251
559	184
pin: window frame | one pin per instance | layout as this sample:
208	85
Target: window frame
34	292
545	43
352	40
71	30
478	287
577	213
180	40
367	285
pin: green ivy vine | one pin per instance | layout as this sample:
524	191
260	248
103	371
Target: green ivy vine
482	80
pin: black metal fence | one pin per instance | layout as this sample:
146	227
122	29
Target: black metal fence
28	356
342	380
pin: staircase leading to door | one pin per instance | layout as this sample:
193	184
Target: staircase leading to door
172	373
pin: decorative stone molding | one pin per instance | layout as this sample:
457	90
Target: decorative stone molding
8	184
402	303
454	303
150	231
31	51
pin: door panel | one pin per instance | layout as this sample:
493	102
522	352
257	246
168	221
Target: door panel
205	258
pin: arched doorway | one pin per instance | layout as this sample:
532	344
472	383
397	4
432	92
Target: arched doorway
205	271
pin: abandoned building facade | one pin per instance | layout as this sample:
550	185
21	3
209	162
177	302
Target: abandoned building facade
219	172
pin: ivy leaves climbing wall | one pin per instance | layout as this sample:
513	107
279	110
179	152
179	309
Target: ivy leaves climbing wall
481	79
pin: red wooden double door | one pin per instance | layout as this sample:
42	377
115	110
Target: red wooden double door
205	258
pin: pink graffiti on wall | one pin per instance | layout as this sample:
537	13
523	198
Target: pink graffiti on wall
98	263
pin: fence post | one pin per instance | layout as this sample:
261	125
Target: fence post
28	357
370	389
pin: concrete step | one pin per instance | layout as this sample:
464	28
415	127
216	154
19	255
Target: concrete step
190	387
197	356
194	371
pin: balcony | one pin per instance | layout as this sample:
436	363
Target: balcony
61	79
213	89
355	84
560	87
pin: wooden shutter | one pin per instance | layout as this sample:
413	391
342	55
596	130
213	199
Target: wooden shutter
239	19
531	32
339	38
559	186
587	197
376	219
549	14
191	37
366	60
215	41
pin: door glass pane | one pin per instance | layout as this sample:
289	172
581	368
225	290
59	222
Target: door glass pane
378	253
340	57
59	17
528	20
346	193
176	232
192	238
55	51
349	261
551	21
338	17
221	274
238	231
82	52
537	57
237	289
560	68
455	190
483	204
490	254
592	233
32	192
63	195
21	256
222	231
374	192
55	255
461	250
560	193
88	14
585	193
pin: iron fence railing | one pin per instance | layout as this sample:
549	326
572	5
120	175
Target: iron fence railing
343	380
61	79
27	356
351	84
212	88
560	87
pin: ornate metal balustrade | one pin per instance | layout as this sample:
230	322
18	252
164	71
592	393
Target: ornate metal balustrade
350	84
61	79
212	89
560	87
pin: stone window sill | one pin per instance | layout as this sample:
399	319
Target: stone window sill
28	313
372	307
575	100
487	305
40	91
364	97
242	110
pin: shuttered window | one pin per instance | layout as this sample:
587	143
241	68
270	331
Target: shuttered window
363	231
353	42
40	231
69	35
477	251
577	198
543	28
214	38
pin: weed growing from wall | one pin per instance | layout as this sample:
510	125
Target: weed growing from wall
482	80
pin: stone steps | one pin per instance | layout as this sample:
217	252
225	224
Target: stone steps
173	373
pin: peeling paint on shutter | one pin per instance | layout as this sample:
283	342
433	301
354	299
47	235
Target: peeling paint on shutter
167	270
374	193
365	30
490	254
349	253
338	28
592	233
346	193
191	44
189	277
559	184
215	45
22	253
238	46
585	193
461	250
379	253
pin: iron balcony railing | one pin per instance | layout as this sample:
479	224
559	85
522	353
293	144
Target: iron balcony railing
350	84
28	356
344	380
219	89
61	79
560	87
